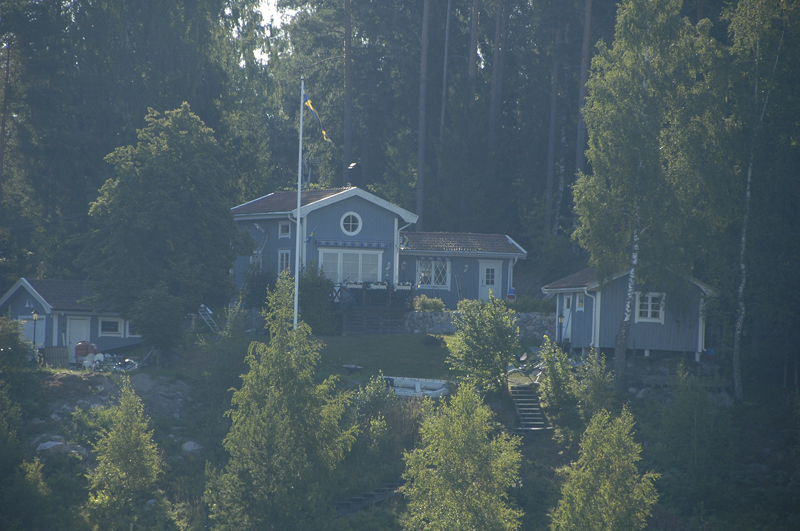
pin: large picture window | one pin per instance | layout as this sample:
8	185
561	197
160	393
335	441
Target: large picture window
351	266
650	307
433	274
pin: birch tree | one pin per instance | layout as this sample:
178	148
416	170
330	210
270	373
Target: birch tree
758	28
629	209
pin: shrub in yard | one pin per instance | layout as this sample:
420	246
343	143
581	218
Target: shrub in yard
423	303
486	342
572	397
14	351
557	392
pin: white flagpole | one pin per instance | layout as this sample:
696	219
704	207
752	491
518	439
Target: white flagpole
297	220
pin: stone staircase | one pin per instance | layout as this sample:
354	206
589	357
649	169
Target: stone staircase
531	419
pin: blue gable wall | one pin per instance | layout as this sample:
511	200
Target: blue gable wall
377	227
674	335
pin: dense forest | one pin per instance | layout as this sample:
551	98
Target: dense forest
496	144
659	137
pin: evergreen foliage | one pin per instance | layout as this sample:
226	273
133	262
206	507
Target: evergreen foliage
285	437
486	342
570	395
128	470
459	476
604	489
693	442
316	300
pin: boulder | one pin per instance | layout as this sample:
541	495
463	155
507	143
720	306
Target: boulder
53	448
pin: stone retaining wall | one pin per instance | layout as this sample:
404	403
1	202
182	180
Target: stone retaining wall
534	324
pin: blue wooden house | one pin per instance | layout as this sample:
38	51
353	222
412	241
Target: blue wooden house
363	243
65	315
454	265
590	313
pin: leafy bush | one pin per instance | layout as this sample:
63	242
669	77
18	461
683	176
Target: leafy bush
316	300
593	387
572	397
486	343
557	389
14	350
422	303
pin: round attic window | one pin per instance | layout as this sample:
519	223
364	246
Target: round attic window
351	223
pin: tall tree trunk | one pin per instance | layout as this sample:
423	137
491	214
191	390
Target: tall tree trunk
423	83
473	52
4	111
621	340
347	154
444	93
551	144
560	189
740	306
497	72
580	144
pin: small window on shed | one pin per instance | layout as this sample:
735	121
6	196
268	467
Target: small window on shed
110	327
579	303
285	230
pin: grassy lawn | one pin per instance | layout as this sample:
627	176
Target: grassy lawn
393	355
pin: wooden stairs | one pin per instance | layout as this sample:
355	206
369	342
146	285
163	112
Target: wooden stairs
531	419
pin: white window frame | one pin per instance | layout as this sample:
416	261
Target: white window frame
580	302
649	296
434	264
120	327
284	260
339	261
284	225
360	223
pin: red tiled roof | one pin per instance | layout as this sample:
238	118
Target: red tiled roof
464	242
279	202
581	279
66	294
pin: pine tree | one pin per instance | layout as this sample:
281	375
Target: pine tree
285	436
458	479
604	489
128	469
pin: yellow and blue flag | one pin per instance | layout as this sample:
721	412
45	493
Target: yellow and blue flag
307	101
